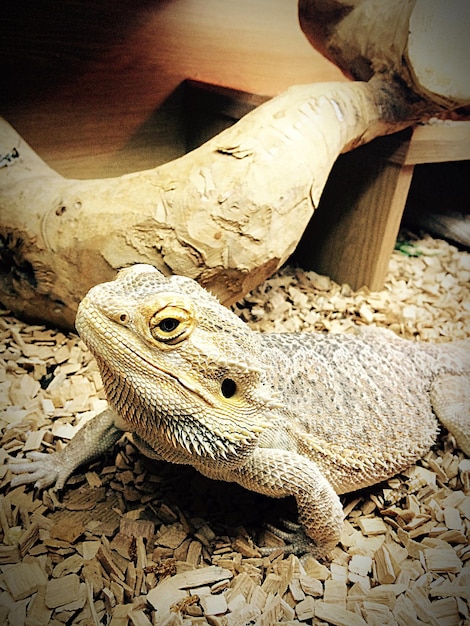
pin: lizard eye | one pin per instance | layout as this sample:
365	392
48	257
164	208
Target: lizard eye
228	388
171	324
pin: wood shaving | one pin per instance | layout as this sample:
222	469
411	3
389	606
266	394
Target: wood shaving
131	541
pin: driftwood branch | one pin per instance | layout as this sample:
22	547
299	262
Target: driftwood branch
422	43
227	214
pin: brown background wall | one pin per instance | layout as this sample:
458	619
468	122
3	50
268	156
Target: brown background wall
84	80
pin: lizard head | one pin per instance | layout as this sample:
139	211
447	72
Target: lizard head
183	372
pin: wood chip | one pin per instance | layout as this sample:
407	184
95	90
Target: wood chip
360	564
311	586
165	595
24	579
213	604
372	525
28	539
92	575
452	518
335	593
137	528
172	536
67	530
70	565
203	576
120	615
89	549
108	561
62	591
34	440
38	612
305	609
337	615
124	545
442	560
384	566
138	618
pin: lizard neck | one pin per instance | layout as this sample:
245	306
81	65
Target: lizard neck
178	437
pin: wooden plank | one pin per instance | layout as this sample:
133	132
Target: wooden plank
62	591
439	142
353	232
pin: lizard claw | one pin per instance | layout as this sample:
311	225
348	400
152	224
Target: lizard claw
297	542
42	469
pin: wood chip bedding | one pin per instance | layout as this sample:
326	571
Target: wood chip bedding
135	542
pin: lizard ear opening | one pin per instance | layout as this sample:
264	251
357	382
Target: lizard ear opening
228	388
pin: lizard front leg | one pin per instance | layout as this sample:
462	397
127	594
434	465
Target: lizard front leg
96	436
280	473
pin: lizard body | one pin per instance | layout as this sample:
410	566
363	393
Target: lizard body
302	414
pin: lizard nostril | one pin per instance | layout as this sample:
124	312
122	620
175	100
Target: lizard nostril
123	318
228	388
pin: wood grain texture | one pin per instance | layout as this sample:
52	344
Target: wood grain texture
353	232
438	143
84	83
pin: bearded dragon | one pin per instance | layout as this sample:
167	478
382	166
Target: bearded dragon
308	415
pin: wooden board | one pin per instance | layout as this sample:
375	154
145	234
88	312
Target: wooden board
352	234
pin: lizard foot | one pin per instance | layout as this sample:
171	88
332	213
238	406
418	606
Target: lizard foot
42	469
91	441
297	542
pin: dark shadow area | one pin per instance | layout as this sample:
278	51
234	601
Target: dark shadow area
210	109
161	138
438	202
439	188
347	192
225	506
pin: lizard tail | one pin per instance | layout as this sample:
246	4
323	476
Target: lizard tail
452	357
450	388
450	398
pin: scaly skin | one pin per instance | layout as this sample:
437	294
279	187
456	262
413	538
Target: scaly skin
308	415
